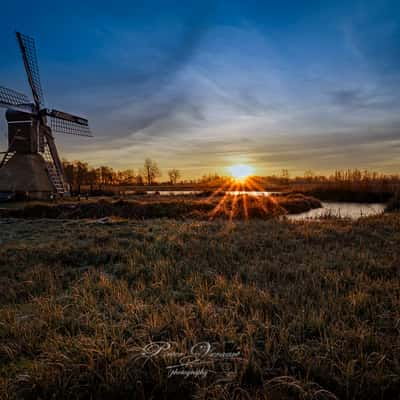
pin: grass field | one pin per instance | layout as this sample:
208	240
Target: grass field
312	308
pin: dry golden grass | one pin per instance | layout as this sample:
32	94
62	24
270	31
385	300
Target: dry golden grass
314	308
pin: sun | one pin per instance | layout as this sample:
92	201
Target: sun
240	171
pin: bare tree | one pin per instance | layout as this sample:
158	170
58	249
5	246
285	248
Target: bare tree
69	171
81	174
285	176
92	178
309	175
139	179
127	177
151	171
174	174
106	175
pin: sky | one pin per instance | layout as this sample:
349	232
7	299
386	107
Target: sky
201	85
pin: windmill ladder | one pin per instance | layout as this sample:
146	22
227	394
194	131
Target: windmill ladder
55	175
7	157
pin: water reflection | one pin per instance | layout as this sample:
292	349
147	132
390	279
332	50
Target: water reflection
194	192
191	192
250	193
341	210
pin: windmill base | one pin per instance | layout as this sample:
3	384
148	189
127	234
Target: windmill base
26	174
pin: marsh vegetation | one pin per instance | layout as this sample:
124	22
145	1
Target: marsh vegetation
313	308
204	207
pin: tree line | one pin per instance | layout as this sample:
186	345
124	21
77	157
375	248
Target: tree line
354	175
79	173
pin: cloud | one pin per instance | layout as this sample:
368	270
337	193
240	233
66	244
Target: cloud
198	90
358	98
349	98
373	33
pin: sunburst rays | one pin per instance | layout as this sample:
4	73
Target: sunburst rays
239	198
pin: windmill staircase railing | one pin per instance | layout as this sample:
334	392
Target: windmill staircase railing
7	157
55	175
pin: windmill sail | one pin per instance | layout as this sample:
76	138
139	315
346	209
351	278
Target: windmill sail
9	97
61	122
28	51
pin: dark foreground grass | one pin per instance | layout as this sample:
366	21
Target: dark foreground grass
313	309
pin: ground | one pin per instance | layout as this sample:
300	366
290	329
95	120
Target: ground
308	309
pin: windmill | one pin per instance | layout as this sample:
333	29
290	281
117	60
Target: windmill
31	164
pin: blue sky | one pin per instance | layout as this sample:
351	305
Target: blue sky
204	85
